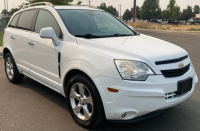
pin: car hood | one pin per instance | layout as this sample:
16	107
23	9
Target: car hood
139	48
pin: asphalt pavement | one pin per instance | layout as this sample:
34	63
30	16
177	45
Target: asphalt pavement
32	106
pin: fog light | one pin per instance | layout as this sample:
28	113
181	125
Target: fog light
123	115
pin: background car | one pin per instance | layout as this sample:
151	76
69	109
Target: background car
154	20
196	22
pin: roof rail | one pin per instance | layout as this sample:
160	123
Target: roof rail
38	3
90	6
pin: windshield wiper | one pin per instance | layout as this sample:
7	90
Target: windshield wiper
118	35
88	36
123	35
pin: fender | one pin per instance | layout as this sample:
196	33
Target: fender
81	65
88	69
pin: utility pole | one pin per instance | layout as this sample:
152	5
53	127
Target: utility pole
120	6
118	12
89	1
134	10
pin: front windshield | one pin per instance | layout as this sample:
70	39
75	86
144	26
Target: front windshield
93	23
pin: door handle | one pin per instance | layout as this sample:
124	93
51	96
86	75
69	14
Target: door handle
12	37
31	43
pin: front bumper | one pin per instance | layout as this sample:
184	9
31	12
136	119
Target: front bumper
136	98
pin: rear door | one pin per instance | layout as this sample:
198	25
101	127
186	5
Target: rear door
43	55
10	31
20	38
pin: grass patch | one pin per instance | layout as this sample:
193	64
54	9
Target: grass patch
147	25
193	29
168	28
1	39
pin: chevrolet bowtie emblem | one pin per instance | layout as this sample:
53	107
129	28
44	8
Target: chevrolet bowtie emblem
181	65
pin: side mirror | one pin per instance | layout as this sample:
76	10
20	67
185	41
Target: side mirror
131	27
49	33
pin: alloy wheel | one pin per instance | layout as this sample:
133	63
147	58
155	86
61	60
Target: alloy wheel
81	101
9	67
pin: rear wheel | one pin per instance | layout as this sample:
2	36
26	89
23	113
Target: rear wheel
11	70
84	101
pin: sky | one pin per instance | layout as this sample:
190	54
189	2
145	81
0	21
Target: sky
125	4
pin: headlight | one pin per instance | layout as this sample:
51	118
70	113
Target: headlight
132	70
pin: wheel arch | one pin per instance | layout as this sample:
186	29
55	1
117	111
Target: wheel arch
72	73
6	50
78	66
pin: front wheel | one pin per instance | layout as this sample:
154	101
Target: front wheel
84	101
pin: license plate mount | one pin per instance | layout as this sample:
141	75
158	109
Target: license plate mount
184	86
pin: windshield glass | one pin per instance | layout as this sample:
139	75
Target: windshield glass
93	23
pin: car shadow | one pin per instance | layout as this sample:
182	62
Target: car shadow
46	92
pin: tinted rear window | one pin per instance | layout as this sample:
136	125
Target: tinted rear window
14	21
26	19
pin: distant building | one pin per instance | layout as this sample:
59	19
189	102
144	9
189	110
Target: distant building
197	17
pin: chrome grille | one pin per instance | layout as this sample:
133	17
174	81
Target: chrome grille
175	72
171	61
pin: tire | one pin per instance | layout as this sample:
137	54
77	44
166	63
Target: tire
96	110
11	70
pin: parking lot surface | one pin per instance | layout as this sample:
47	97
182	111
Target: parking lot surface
32	106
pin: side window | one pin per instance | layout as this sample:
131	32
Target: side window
26	19
14	20
45	19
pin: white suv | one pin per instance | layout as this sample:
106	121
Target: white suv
104	68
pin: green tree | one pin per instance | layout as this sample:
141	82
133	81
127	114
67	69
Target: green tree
127	15
144	12
185	16
102	6
150	9
13	10
138	16
4	11
172	12
112	10
79	2
165	14
189	11
170	8
176	15
196	10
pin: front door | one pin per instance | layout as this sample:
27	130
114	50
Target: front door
43	55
